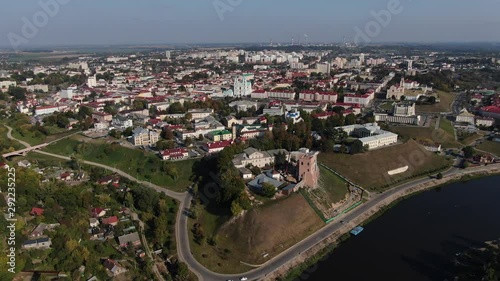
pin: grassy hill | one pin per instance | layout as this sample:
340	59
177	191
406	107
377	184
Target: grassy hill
140	164
271	229
370	169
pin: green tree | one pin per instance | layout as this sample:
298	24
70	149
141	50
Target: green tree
357	147
468	151
268	190
236	208
350	119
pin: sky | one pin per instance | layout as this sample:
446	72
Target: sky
110	22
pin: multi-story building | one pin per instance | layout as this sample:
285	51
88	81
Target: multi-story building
242	86
465	117
42	110
371	135
485	121
220	135
143	136
255	157
200	113
174	154
396	91
318	96
121	122
214	147
323	68
261	94
102	117
361	100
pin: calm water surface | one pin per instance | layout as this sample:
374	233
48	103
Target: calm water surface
417	239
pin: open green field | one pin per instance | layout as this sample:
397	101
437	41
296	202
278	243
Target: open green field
446	126
335	187
468	139
443	106
140	164
386	106
370	169
491	147
7	145
331	190
444	137
270	229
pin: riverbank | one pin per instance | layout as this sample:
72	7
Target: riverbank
300	265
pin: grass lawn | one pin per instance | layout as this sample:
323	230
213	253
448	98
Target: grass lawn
446	126
6	144
491	147
140	164
443	106
335	187
370	169
267	229
467	139
386	106
441	136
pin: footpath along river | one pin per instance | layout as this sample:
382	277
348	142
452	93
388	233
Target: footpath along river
418	238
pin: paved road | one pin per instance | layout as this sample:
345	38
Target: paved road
309	242
9	136
458	102
181	229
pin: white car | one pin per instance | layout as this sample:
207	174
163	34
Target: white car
243	278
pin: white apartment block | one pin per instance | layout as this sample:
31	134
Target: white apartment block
122	122
371	135
200	113
485	121
42	110
318	96
323	68
361	100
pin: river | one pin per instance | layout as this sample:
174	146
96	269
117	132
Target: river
418	238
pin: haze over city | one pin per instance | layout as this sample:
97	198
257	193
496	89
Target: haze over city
95	22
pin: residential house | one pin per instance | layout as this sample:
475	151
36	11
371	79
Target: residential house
174	154
114	267
102	117
36	211
214	147
98	212
40	243
24	164
245	173
110	221
129	239
93	222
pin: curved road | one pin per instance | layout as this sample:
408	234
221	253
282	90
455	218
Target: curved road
9	136
204	274
307	243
